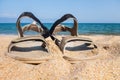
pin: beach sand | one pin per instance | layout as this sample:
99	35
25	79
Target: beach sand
104	67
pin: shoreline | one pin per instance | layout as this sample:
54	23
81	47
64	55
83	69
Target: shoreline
67	34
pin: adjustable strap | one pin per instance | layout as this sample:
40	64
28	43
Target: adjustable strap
30	15
72	30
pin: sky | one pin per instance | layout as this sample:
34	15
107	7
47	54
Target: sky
86	11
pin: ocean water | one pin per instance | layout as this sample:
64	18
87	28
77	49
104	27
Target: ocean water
83	28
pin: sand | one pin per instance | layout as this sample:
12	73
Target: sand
104	67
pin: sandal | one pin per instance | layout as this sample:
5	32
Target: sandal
30	49
74	48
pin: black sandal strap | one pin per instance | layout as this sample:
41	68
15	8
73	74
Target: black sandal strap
73	30
57	28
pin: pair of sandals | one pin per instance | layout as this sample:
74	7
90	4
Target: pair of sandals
35	49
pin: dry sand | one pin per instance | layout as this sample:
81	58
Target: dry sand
106	67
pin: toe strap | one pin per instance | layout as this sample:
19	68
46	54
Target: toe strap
66	40
31	38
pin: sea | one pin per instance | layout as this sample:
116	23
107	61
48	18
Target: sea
83	28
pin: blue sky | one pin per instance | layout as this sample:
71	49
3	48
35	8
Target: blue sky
86	11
